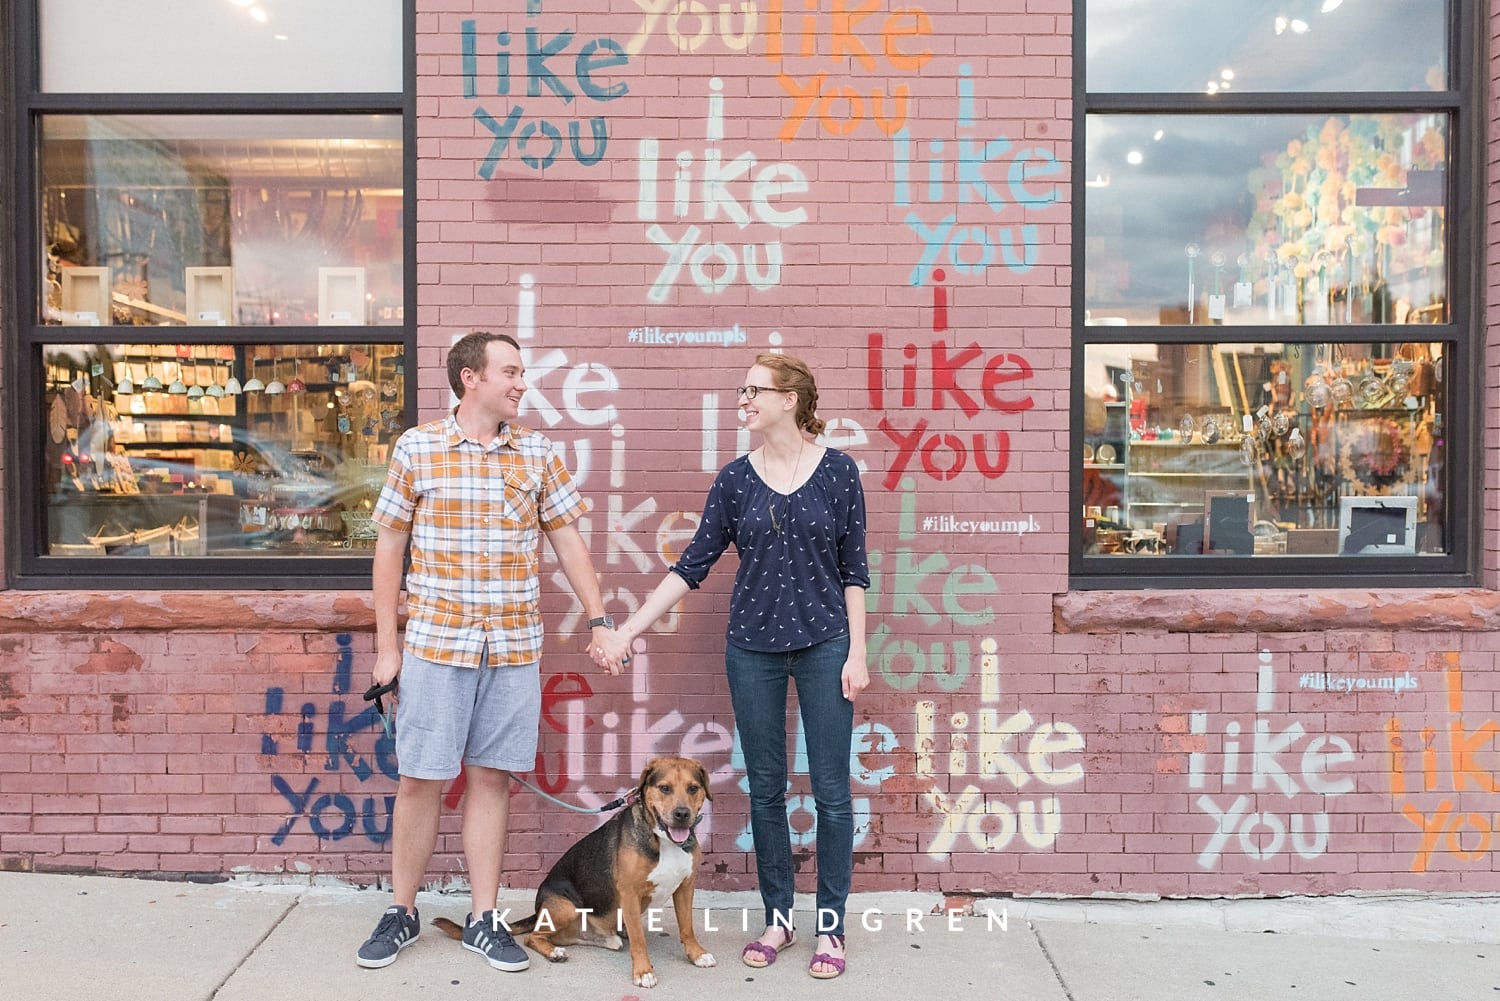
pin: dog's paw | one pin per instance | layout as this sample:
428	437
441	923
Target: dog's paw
614	942
706	960
559	955
647	979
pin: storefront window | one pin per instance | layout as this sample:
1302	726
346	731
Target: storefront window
224	220
1266	219
220	46
211	326
217	449
1213	47
1277	345
1283	449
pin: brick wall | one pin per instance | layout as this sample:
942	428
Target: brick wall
1016	738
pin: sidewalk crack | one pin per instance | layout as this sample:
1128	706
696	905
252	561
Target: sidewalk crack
255	946
1057	973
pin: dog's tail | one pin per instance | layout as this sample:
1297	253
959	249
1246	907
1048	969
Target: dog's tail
455	930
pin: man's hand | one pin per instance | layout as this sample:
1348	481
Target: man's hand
609	649
387	666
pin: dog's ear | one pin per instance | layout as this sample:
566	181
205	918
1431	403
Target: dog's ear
702	777
648	777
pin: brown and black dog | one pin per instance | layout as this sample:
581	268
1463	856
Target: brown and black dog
633	862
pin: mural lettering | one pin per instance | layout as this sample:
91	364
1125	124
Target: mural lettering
336	815
1445	761
584	395
689	24
538	142
1275	766
721	186
960	175
932	589
581	380
1016	750
944	456
809	45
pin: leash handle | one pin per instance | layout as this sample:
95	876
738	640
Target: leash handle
374	692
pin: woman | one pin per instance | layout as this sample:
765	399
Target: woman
795	512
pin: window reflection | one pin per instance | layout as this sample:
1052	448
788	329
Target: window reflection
217	450
1274	219
1207	46
153	219
292	47
1264	449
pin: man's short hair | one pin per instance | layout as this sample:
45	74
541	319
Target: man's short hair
470	351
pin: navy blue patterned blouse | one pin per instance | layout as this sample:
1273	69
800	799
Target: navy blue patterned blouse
797	552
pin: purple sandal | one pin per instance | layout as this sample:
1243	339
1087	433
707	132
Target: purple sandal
823	959
766	953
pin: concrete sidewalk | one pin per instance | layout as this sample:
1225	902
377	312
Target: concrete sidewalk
98	938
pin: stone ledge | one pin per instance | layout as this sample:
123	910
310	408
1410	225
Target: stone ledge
1219	611
1204	611
186	611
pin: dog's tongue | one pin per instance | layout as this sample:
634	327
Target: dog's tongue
679	834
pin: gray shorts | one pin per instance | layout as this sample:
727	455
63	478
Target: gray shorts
447	717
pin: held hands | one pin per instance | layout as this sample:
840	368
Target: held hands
609	649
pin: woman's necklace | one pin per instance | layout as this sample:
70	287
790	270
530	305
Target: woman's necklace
786	504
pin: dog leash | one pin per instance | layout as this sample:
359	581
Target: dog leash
377	693
613	804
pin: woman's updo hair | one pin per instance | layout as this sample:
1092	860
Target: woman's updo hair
793	375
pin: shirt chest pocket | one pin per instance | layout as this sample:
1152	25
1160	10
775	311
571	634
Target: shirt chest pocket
518	491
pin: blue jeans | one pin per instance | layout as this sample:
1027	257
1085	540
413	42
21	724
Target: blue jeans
758	688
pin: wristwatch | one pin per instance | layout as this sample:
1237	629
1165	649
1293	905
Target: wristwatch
607	621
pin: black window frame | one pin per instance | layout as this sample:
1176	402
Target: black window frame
1463	102
24	104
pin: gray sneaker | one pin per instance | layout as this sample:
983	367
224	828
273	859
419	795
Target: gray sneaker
397	930
492	940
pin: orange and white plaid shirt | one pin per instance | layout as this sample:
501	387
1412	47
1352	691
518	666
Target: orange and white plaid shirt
475	514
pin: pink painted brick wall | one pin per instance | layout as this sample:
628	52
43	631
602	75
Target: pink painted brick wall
999	749
1171	763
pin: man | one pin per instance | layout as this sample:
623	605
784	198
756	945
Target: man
471	493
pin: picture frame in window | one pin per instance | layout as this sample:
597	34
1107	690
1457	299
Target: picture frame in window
210	295
1227	516
341	297
1377	526
86	297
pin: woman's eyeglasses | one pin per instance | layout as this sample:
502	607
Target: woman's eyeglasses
751	392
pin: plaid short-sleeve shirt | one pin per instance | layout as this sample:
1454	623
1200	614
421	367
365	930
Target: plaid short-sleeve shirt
475	514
